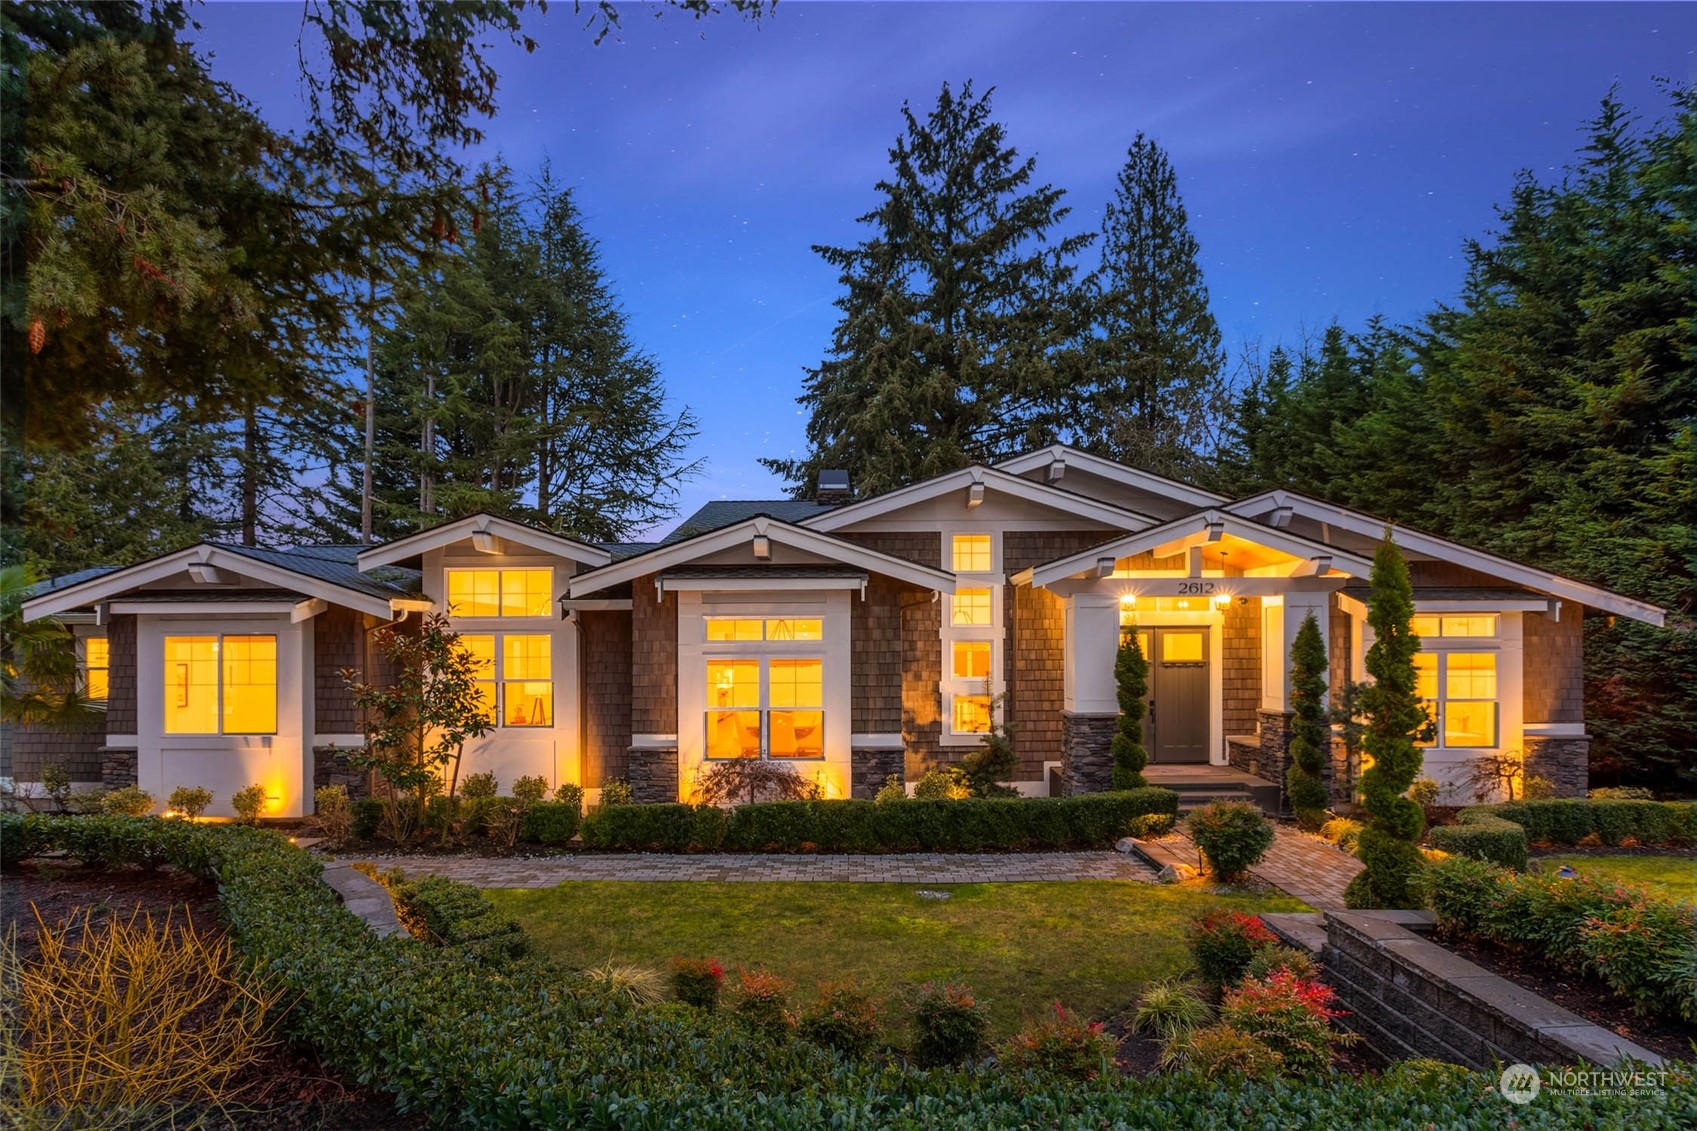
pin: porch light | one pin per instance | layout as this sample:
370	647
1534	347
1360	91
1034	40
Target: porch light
1221	600
1183	603
1128	600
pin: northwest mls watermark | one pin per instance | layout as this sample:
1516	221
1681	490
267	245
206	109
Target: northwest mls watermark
1521	1083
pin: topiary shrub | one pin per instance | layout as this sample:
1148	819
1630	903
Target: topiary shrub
569	793
188	801
949	1025
447	913
1061	1046
1232	836
697	981
249	803
126	801
1310	736
1131	680
1222	943
844	1018
1480	836
549	822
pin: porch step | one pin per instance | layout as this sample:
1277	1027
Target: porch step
1202	785
1189	799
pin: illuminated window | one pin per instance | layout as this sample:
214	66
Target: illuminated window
482	649
96	667
220	685
1181	647
772	707
527	681
971	607
972	659
972	553
972	714
1459	692
776	628
500	592
733	628
795	628
1454	626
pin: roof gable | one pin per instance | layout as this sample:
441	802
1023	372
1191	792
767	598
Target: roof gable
969	485
723	512
481	525
1117	484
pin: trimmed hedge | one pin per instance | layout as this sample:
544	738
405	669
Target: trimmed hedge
1482	836
550	822
524	1046
1007	824
1571	820
446	912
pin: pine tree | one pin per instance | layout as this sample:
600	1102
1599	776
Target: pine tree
1151	393
1131	675
959	312
1389	844
1310	737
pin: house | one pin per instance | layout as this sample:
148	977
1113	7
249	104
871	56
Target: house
853	638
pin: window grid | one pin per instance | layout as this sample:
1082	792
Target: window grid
1459	691
767	707
220	684
505	593
96	667
519	690
971	553
972	652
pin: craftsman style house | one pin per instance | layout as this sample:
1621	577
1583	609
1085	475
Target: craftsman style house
854	638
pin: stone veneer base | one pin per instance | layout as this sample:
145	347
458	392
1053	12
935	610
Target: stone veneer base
1563	761
1087	759
653	774
870	767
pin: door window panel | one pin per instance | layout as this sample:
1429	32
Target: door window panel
1181	647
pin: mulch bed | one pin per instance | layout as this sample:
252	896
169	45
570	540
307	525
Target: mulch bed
1585	996
289	1090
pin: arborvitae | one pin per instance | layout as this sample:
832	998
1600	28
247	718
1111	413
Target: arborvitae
958	310
1310	738
1131	673
1389	844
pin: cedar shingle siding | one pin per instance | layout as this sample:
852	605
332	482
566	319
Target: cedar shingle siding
606	638
1555	667
921	662
876	645
337	643
1240	667
121	679
654	660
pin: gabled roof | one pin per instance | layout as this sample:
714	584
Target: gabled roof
724	512
49	584
690	550
1365	525
336	582
462	529
1210	524
1108	469
836	518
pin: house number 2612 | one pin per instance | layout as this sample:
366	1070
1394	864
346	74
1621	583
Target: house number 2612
1196	588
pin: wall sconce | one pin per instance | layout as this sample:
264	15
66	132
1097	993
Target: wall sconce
1221	600
1128	600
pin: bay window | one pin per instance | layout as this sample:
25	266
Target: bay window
221	684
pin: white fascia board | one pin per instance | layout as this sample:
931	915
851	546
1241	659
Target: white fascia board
756	584
1178	529
492	526
688	550
1109	469
203	608
592	605
121	581
1367	526
996	480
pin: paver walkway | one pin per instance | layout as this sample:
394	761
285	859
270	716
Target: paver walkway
914	868
1311	869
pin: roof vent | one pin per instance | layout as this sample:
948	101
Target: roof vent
833	488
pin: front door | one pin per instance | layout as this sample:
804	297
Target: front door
1177	724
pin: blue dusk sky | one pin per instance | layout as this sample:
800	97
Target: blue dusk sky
1333	157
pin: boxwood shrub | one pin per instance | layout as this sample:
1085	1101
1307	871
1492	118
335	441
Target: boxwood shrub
1611	821
1482	836
523	1046
550	822
968	825
447	913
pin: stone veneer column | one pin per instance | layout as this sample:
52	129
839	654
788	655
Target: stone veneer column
330	767
654	774
1087	760
1274	727
117	766
1563	760
871	766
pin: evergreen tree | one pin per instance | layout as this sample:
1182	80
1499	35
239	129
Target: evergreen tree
959	312
1310	736
1389	844
1151	392
1257	433
1131	675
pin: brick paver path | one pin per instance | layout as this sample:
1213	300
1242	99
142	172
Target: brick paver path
915	868
1311	869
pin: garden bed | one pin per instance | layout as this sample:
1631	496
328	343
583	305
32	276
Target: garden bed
1584	996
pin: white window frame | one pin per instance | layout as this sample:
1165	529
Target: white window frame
82	639
175	632
764	651
993	633
1442	648
498	675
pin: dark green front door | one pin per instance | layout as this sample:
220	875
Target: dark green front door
1178	695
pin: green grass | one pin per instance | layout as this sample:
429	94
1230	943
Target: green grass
1675	876
1021	946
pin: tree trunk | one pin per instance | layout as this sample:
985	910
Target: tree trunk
250	476
370	410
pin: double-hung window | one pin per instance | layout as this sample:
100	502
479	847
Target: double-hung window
1456	679
221	684
765	687
515	676
970	637
96	667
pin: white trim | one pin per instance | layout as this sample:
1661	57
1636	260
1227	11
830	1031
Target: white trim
306	610
1553	730
1369	527
202	608
1108	469
343	741
877	742
592	605
743	533
963	481
466	530
755	584
123	741
109	585
653	741
1207	525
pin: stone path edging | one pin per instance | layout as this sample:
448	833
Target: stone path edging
908	868
365	897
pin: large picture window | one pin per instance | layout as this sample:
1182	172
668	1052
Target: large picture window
221	684
500	592
516	677
765	707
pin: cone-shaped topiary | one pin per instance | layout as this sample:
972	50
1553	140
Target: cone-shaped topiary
1389	844
1309	734
1131	672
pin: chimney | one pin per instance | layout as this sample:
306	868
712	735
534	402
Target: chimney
833	488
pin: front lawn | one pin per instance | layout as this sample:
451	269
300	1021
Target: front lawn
1673	876
1020	946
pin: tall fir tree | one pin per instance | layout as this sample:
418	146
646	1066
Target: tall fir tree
1310	733
1151	394
960	313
